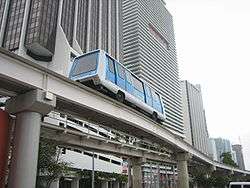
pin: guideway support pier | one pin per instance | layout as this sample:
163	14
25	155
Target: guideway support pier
182	170
28	108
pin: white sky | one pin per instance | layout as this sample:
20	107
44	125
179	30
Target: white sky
213	48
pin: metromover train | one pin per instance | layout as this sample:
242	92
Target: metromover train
103	71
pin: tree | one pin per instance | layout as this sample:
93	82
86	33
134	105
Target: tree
50	165
227	159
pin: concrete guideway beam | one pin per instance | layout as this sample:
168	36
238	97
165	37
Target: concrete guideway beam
84	102
28	108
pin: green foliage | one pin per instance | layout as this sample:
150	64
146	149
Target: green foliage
50	165
99	176
227	159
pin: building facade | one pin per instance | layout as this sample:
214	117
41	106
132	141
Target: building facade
51	33
194	117
237	148
150	53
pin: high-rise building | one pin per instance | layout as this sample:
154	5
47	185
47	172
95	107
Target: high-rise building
194	117
239	156
149	52
222	146
212	149
50	32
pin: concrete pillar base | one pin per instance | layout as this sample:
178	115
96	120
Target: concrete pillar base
75	183
54	184
182	169
105	184
137	171
28	108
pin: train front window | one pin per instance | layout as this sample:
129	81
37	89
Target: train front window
86	64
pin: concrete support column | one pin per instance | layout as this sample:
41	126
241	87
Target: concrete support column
55	184
116	184
29	108
129	184
105	184
137	171
75	183
182	169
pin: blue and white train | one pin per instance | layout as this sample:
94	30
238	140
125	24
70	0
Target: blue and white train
102	70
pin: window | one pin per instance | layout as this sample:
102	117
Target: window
128	77
148	91
121	71
246	186
156	96
159	37
137	84
85	64
111	65
236	186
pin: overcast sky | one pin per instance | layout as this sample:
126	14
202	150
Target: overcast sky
213	48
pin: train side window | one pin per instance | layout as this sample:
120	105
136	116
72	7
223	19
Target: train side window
121	71
111	65
137	84
128	77
148	91
156	96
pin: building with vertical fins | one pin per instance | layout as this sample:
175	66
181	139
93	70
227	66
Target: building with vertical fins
237	148
194	117
150	53
51	33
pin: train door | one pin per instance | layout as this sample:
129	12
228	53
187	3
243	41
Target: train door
120	76
110	70
148	94
129	85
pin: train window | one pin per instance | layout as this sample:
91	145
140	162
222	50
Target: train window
246	186
156	96
121	71
85	64
235	186
137	84
128	77
148	90
111	65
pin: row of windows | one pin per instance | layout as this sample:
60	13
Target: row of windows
124	74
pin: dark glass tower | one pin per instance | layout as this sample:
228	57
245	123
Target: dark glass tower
35	28
2	5
14	24
41	29
67	21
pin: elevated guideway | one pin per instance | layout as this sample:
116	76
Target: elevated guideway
19	75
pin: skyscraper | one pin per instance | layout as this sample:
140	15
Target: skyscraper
239	156
50	32
149	52
194	117
222	146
